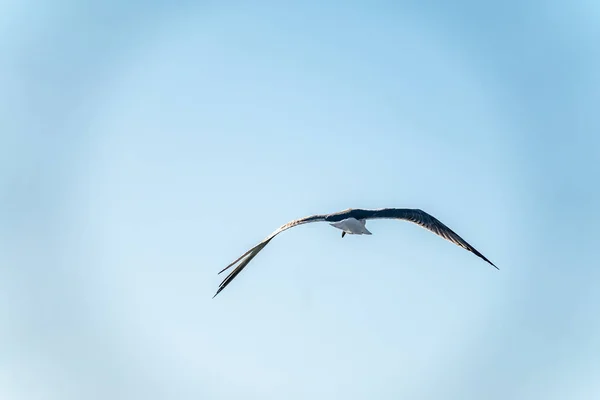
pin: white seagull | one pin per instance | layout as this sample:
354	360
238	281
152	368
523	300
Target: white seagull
353	222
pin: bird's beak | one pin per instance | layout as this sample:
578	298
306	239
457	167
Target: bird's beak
343	233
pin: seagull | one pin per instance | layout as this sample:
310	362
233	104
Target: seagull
352	221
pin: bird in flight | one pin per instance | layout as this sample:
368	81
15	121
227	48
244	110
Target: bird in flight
353	222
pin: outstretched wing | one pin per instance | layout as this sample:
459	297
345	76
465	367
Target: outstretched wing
423	219
250	254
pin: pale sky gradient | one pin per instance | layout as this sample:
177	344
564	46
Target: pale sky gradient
146	145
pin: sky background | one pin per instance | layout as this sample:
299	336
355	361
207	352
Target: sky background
145	145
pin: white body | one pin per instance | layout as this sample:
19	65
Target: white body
352	226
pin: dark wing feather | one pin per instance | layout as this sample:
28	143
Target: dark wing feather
426	221
250	254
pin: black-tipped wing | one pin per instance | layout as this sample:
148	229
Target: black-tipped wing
250	254
416	216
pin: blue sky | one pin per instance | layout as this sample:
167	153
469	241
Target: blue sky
145	146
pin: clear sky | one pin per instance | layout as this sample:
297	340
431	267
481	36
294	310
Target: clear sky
145	145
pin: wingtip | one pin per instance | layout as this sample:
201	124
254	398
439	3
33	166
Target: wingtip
221	287
229	266
219	273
